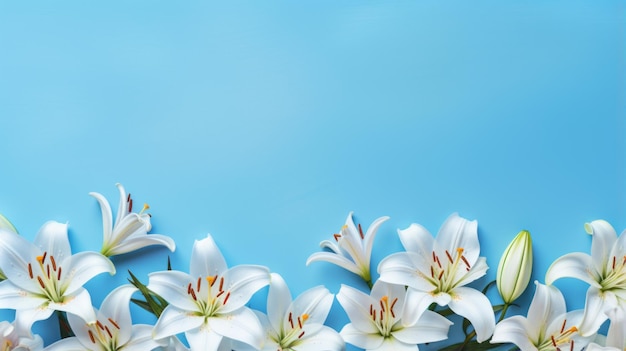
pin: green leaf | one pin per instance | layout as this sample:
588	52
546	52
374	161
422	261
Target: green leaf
153	303
473	346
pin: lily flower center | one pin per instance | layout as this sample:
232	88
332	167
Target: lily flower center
216	295
384	318
7	345
105	334
47	276
615	276
293	331
444	273
563	337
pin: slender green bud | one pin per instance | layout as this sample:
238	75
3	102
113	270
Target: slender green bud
515	267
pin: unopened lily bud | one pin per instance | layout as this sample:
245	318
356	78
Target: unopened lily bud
6	224
515	267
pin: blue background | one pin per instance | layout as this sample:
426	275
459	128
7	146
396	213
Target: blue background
266	122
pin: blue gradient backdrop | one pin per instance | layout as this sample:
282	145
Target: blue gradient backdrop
266	122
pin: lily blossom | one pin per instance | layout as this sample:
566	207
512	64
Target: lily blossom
604	270
547	326
616	337
380	322
6	224
130	231
437	270
208	304
12	339
45	276
352	250
113	329
299	324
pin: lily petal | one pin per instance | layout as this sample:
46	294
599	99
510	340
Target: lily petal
14	252
356	337
354	302
457	232
241	325
368	240
206	259
326	339
405	268
474	306
574	265
139	242
340	261
82	267
547	303
78	304
604	236
243	281
278	301
315	303
115	305
67	344
52	238
416	239
141	339
170	286
417	302
596	304
430	327
203	338
5	224
175	321
513	330
107	216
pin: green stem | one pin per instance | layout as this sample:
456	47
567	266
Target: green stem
64	326
504	309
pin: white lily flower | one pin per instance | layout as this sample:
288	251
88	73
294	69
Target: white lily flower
616	337
352	250
298	325
208	304
604	270
113	329
380	322
130	231
547	327
436	270
515	267
45	276
12	340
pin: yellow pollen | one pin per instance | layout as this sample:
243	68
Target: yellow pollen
211	279
40	259
384	298
573	329
305	317
460	250
345	226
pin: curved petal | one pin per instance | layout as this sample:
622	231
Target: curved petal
68	344
336	259
206	259
327	244
136	243
417	302
241	325
170	285
596	304
457	232
81	268
15	255
430	327
122	208
402	268
141	339
474	306
326	339
478	270
356	304
359	338
79	304
175	321
546	305
14	297
574	265
278	301
107	216
242	282
25	318
513	330
203	338
5	224
368	240
616	336
382	288
52	238
315	302
116	307
604	236
417	239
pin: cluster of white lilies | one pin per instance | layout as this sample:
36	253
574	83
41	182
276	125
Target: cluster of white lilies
406	306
